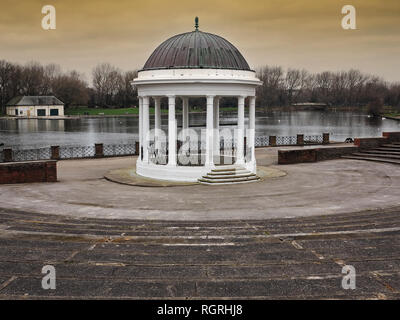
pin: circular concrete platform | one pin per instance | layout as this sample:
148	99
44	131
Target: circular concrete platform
308	189
128	176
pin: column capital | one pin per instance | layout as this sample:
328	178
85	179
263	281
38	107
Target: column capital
241	99
210	96
171	95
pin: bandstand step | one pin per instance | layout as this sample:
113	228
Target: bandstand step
227	168
246	175
229	175
229	181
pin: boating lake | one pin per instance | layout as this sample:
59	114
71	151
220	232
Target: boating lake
32	133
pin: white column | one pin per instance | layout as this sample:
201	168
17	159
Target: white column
171	131
157	113
252	127
157	122
185	113
216	127
140	127
209	131
240	131
146	128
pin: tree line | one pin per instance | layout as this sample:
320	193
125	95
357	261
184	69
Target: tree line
111	87
344	88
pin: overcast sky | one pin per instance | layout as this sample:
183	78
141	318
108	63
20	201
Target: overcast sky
291	33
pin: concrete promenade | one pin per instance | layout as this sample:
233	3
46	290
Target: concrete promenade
328	187
108	240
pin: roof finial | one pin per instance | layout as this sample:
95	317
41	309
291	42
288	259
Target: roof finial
196	23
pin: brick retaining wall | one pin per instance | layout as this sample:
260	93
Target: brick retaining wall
370	143
32	171
313	155
392	136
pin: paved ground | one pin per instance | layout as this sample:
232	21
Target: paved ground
328	187
299	258
157	250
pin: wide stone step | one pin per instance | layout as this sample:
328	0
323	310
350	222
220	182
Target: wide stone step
392	145
230	180
228	169
375	155
386	160
235	177
387	149
381	152
228	173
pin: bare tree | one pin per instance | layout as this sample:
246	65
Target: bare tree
71	89
107	81
6	70
270	92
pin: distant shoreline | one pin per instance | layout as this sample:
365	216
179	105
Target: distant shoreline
227	111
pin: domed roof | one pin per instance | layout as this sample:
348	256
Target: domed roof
196	49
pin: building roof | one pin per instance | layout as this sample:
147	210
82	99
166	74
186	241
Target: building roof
194	50
35	101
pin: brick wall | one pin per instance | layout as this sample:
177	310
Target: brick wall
296	156
369	143
334	153
313	155
32	171
392	136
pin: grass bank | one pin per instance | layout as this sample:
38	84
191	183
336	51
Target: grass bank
393	115
76	111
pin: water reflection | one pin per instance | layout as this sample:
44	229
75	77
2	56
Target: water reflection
341	125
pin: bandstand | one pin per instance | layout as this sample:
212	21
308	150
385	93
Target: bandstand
193	65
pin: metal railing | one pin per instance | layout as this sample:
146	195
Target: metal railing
112	150
315	139
71	152
31	154
228	148
77	152
286	141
